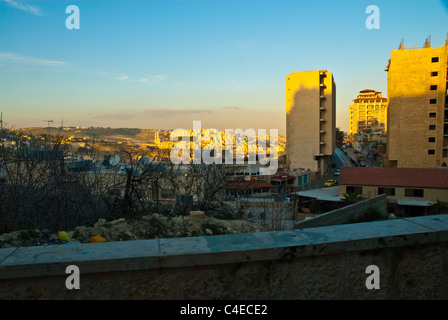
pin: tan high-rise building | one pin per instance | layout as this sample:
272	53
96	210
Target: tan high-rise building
417	134
310	120
368	112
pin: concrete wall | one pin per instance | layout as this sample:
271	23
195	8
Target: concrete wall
430	194
314	263
348	214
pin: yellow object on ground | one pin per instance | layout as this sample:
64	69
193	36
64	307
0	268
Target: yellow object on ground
64	236
96	239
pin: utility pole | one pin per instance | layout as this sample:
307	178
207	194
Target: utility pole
49	121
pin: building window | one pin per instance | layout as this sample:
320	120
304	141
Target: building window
354	190
432	101
433	87
435	59
431	139
434	73
387	191
432	114
432	127
431	151
417	193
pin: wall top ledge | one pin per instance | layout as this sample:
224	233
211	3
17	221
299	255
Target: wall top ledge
40	261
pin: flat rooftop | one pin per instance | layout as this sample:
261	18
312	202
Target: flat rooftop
327	194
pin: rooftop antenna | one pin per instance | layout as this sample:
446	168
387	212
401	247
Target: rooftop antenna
427	42
1	120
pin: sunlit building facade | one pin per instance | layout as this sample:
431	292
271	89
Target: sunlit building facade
368	112
417	134
310	120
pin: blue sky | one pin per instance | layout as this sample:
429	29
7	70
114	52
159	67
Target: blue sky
162	63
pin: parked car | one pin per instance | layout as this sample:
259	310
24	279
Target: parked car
337	172
330	183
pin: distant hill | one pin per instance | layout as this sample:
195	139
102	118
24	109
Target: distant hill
130	135
98	133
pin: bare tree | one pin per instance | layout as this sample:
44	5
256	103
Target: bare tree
38	192
143	171
208	182
41	189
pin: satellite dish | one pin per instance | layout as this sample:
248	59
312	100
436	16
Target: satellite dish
145	161
114	160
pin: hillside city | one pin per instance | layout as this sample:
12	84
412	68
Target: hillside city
70	177
223	158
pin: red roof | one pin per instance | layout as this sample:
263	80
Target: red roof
238	185
369	90
395	177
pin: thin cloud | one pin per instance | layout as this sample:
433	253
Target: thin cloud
15	58
24	7
152	79
115	116
155	79
161	113
232	108
160	77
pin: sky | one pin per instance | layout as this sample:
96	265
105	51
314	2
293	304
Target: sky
162	64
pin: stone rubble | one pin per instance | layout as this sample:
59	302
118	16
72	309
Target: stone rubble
146	227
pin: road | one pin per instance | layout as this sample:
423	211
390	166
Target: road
370	159
341	159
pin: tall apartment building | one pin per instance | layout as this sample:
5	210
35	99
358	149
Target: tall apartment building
418	110
368	112
310	120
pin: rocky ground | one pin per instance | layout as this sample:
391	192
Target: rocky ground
146	227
